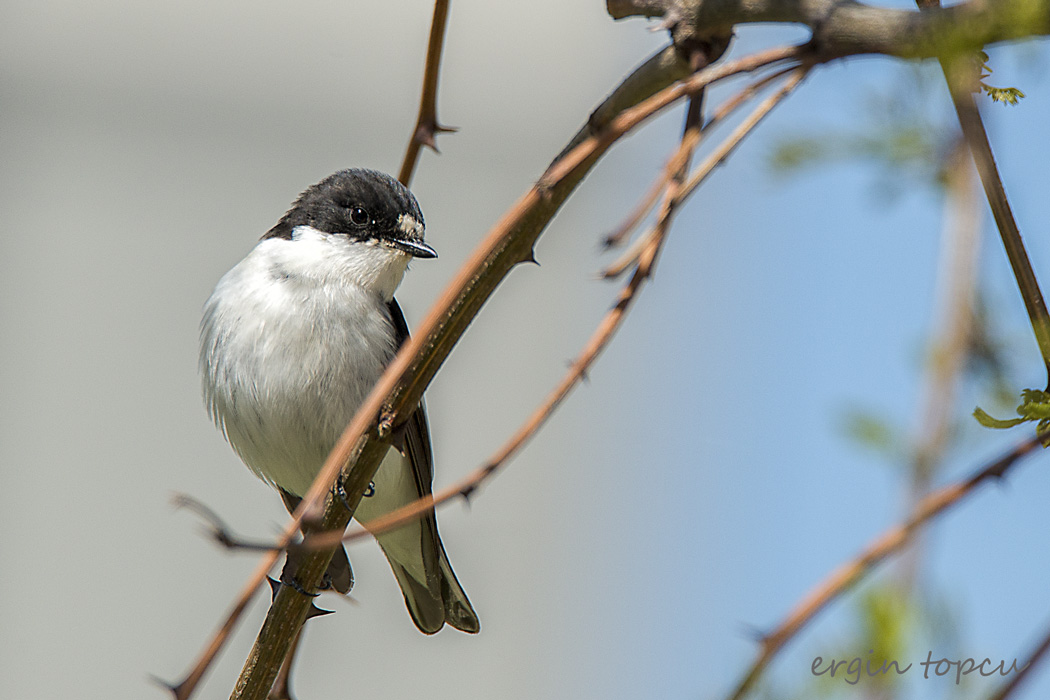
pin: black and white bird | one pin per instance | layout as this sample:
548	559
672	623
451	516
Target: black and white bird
293	339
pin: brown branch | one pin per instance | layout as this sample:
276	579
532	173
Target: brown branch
674	171
729	145
427	125
184	689
587	143
977	139
634	219
961	76
854	27
891	541
621	233
282	686
631	255
951	342
1038	655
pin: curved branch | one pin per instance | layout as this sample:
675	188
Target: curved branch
891	541
1035	659
427	125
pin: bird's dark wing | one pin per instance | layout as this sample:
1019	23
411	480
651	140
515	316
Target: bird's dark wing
417	431
442	584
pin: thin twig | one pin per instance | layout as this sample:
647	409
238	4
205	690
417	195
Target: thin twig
217	529
961	76
630	118
673	171
1038	655
427	125
726	147
950	346
977	138
630	256
184	689
623	231
934	504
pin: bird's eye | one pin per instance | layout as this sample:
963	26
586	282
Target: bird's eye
359	216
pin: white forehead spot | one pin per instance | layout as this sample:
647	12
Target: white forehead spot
408	225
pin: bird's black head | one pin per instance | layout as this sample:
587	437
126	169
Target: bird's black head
364	205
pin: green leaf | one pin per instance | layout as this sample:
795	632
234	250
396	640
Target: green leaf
1035	405
1035	396
987	421
1008	95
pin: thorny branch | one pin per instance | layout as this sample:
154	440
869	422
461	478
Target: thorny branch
951	345
624	230
427	125
931	506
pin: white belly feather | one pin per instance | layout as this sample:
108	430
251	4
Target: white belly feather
288	355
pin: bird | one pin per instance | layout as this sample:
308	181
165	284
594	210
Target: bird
292	340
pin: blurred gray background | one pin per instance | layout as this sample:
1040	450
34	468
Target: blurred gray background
698	485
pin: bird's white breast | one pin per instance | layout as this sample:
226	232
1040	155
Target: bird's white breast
293	339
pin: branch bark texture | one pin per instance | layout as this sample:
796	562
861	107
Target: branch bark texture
849	27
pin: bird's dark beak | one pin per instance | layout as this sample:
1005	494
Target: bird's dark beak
417	249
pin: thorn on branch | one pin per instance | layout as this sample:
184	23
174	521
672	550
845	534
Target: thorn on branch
530	257
545	187
624	230
427	125
754	633
174	689
594	123
425	137
426	133
275	586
